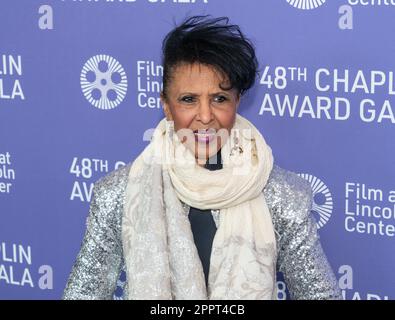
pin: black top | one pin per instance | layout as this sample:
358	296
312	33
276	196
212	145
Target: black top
202	223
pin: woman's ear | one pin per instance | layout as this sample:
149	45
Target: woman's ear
165	105
238	101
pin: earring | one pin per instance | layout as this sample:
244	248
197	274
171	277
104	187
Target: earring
236	147
170	128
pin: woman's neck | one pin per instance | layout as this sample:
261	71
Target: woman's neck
212	163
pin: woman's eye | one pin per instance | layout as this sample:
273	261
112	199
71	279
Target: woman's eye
220	99
187	99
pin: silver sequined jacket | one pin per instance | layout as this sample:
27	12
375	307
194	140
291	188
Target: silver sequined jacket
307	273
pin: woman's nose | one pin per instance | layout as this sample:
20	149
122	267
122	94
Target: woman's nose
205	112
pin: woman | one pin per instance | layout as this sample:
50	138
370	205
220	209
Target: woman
203	212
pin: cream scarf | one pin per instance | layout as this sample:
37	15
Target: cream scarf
161	258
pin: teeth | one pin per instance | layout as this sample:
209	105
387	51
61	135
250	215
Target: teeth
205	136
205	132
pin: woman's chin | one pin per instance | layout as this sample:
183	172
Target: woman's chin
202	153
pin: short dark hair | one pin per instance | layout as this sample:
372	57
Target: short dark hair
213	42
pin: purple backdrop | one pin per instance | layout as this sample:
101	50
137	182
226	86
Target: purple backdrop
79	88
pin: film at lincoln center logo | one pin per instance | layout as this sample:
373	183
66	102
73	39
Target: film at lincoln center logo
103	82
306	4
322	199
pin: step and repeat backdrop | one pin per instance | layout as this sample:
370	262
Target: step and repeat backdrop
79	90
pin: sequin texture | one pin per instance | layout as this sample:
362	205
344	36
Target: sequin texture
307	272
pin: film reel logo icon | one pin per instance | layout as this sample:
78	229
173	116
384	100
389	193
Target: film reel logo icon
306	4
322	199
103	82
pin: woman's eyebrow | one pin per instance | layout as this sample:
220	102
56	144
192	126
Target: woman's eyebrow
211	94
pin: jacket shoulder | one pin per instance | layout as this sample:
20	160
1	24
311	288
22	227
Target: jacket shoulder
288	195
113	183
108	197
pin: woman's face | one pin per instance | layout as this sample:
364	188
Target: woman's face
196	102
